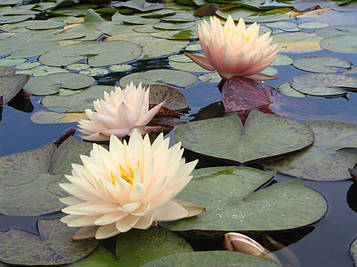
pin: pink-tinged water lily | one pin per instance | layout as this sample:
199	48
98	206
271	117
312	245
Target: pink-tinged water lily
234	50
130	186
118	113
244	244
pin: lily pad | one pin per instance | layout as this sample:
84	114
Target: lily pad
186	34
78	67
211	77
120	68
101	256
11	61
44	24
42	71
46	117
340	43
161	76
313	25
284	25
286	89
54	246
173	98
324	84
322	64
353	251
94	71
337	30
98	53
233	202
50	84
159	13
10	86
193	47
39	171
211	258
32	48
173	26
262	136
236	13
328	159
187	66
76	102
298	42
140	5
27	65
181	16
282	60
133	19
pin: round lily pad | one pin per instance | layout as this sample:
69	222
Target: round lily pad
134	19
11	61
145	28
27	65
284	25
50	84
33	48
98	53
78	67
180	58
298	42
211	77
186	34
313	25
94	71
262	136
44	24
286	89
161	76
181	16
173	98
235	13
54	117
76	102
173	26
270	71
54	246
233	202
119	68
328	159
211	258
322	64
324	84
282	60
337	30
340	43
187	66
42	71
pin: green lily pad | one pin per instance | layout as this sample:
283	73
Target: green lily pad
78	67
340	43
333	152
189	66
262	136
39	171
54	246
101	256
14	19
149	28
32	48
322	64
211	77
316	84
11	61
159	13
50	84
353	251
120	68
44	24
187	34
262	18
104	53
150	44
140	5
284	25
233	202
282	60
173	26
94	71
298	42
236	13
181	16
180	58
46	117
193	47
42	71
76	102
161	76
270	71
211	258
27	65
313	25
286	89
133	20
10	2
10	86
337	30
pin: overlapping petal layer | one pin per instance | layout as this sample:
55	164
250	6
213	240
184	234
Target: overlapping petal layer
120	111
130	186
235	50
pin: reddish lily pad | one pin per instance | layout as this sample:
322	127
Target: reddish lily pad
328	159
54	246
262	136
173	98
39	171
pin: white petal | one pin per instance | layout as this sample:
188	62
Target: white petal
169	212
127	223
106	231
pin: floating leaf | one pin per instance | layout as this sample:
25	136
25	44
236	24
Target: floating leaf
140	5
159	13
54	117
186	34
39	171
54	246
262	136
27	65
10	86
282	60
337	30
173	26
284	25
322	64
353	251
78	67
104	53
212	77
173	98
328	159
233	202
161	76
181	16
100	256
324	84
298	42
76	102
180	58
133	20
193	47
43	24
42	71
120	68
286	89
50	84
189	66
11	61
313	25
95	71
340	43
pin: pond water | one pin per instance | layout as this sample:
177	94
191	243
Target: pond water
325	243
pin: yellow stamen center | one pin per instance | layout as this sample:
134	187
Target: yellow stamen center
127	176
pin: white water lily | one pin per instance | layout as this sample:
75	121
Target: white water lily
235	50
118	113
130	186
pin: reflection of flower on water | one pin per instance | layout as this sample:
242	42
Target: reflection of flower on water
119	112
130	186
235	50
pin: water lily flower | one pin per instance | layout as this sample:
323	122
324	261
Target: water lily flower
118	113
234	50
130	186
244	244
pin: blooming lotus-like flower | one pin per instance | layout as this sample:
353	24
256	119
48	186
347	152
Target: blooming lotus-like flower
119	112
235	50
130	186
